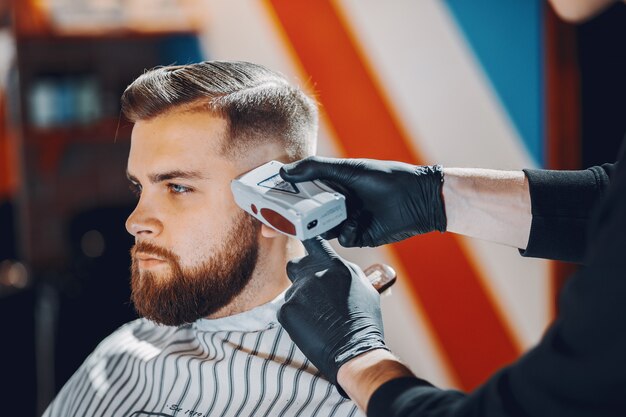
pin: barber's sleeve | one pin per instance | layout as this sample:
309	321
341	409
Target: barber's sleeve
562	204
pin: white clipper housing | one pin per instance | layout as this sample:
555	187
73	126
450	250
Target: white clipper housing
302	210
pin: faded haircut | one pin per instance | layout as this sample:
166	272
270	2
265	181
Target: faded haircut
258	104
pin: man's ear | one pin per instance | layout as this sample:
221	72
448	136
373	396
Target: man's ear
268	232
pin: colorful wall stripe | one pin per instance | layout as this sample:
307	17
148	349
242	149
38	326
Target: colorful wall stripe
366	126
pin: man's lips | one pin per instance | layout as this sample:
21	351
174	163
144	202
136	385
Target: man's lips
145	260
147	257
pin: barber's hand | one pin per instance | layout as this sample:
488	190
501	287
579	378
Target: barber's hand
387	201
331	311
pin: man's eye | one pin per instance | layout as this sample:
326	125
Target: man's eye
178	189
135	189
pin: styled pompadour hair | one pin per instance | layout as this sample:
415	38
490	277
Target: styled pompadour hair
258	104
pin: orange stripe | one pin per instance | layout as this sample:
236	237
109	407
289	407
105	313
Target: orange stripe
475	339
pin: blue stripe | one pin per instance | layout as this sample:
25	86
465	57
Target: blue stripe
507	39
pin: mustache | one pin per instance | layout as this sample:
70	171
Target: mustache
152	249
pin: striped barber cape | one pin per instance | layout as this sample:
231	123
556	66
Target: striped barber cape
242	365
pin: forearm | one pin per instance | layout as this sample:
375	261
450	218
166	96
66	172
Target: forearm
488	204
363	375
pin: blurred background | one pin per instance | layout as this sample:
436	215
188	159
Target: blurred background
489	83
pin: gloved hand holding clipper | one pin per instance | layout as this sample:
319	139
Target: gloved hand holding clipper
331	311
387	201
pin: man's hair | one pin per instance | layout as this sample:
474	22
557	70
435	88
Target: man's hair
259	105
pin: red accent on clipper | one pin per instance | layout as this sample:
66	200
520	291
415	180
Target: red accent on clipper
278	221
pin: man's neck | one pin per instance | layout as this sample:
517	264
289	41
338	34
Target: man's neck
250	298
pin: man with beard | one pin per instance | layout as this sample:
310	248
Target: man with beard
207	278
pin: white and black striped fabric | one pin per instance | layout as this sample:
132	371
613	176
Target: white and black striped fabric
242	365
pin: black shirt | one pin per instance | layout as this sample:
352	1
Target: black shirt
579	367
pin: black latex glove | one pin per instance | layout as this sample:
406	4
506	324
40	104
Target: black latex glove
331	311
387	201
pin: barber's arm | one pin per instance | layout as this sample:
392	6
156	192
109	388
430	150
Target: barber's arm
488	204
332	313
541	212
389	201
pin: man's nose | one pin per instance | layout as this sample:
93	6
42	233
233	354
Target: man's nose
142	222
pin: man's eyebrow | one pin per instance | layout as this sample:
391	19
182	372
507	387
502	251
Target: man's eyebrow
176	174
168	175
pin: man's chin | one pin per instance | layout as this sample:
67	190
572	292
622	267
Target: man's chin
158	275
